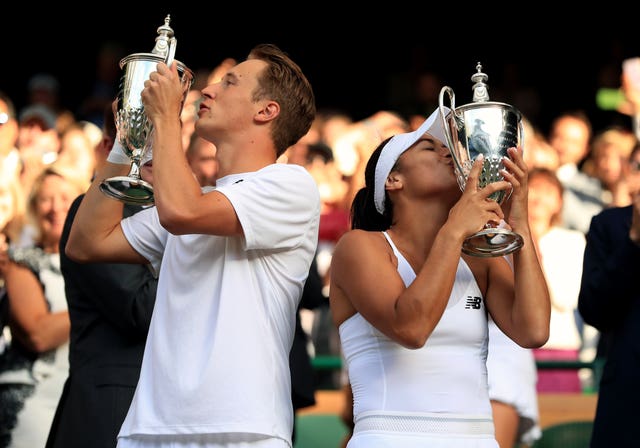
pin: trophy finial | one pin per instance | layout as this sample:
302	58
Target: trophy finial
480	89
165	34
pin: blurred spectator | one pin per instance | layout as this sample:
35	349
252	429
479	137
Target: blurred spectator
201	156
353	148
35	364
537	151
10	164
44	89
608	162
110	307
38	141
77	151
12	217
560	251
570	136
189	115
331	124
12	208
631	104
317	158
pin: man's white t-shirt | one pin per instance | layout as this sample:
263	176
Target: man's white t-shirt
217	354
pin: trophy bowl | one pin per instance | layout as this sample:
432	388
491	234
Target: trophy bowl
488	128
134	128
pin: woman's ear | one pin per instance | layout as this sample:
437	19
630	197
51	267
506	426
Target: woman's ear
393	182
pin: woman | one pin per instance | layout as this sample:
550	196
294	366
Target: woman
12	214
35	365
412	311
561	251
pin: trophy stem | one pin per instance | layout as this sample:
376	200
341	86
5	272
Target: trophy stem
130	189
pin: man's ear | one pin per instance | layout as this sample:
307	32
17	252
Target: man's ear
270	111
105	145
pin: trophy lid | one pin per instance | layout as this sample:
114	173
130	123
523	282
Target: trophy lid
163	41
480	89
163	51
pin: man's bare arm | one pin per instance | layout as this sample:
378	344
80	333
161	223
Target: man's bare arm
96	234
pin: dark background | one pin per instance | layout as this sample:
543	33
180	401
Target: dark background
358	60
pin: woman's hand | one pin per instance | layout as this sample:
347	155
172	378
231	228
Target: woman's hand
516	173
475	208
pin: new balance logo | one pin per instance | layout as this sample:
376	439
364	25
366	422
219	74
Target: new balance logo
473	302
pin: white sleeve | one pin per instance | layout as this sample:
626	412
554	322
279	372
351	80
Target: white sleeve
146	235
117	154
276	206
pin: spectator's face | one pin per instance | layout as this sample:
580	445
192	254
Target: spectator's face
51	205
570	138
545	201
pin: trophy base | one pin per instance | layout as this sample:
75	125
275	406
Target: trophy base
492	242
128	190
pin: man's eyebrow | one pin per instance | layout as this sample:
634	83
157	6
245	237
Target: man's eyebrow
231	75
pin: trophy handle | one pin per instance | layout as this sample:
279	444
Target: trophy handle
446	124
452	102
171	52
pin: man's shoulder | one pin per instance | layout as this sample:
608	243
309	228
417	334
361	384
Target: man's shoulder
613	214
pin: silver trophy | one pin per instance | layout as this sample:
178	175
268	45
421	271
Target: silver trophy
488	128
134	128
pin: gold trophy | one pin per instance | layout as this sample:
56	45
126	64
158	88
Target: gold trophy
488	128
134	128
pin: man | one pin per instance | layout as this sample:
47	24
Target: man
234	259
610	301
110	307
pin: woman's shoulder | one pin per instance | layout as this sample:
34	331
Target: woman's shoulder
359	236
361	243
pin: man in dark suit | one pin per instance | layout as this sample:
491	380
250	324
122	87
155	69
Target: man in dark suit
610	301
303	378
110	307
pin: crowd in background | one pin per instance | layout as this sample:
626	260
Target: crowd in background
47	159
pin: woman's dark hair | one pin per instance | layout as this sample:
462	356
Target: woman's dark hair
364	214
